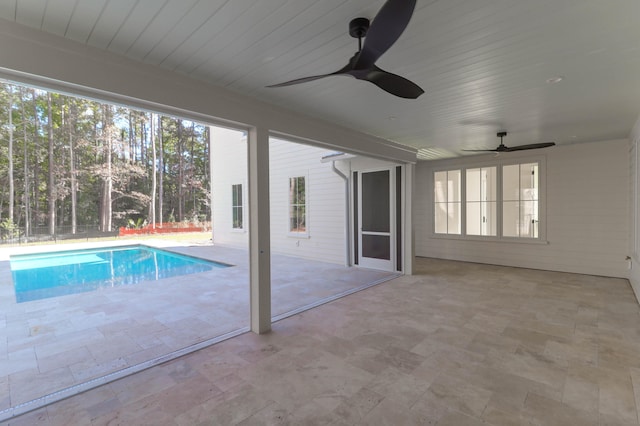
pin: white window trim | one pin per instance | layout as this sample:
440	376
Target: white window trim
305	234
499	163
464	202
461	202
244	209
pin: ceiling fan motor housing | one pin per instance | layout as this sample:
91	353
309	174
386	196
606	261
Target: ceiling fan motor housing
358	27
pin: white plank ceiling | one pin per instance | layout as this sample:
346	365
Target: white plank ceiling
484	64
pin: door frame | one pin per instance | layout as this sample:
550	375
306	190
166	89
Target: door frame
367	262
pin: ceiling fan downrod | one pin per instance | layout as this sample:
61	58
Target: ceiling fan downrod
358	28
501	135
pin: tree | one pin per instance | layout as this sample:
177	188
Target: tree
161	168
68	161
51	190
180	182
25	160
107	182
10	155
36	166
154	173
72	118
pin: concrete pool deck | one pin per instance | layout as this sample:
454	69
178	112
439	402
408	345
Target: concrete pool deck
51	344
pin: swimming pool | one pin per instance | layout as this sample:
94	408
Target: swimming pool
45	275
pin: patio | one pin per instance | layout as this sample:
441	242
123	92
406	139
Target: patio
62	343
455	344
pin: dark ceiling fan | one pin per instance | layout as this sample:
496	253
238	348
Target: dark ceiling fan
386	28
503	148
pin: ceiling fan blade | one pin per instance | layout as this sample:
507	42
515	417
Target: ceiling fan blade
344	70
385	30
392	83
301	80
530	146
503	148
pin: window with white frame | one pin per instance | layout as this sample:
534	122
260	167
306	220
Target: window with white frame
481	198
298	205
493	201
447	200
520	200
236	207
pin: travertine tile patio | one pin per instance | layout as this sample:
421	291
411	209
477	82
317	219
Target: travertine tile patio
50	344
457	344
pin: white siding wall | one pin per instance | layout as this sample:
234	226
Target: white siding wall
325	197
587	187
228	167
326	219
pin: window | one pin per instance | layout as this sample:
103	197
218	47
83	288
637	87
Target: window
447	196
481	201
297	205
520	200
236	207
492	201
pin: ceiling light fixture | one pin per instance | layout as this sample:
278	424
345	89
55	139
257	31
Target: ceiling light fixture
554	80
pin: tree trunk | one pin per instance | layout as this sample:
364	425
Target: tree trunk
73	116
131	139
154	173
51	190
192	193
11	181
161	167
143	141
142	147
180	173
207	169
107	185
27	209
36	166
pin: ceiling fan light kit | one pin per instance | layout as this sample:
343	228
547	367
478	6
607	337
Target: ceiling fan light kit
503	148
385	29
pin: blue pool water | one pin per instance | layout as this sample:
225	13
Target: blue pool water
40	276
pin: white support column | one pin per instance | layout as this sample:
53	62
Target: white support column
409	233
259	230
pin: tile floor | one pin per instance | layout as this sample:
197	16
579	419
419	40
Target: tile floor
51	344
457	344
